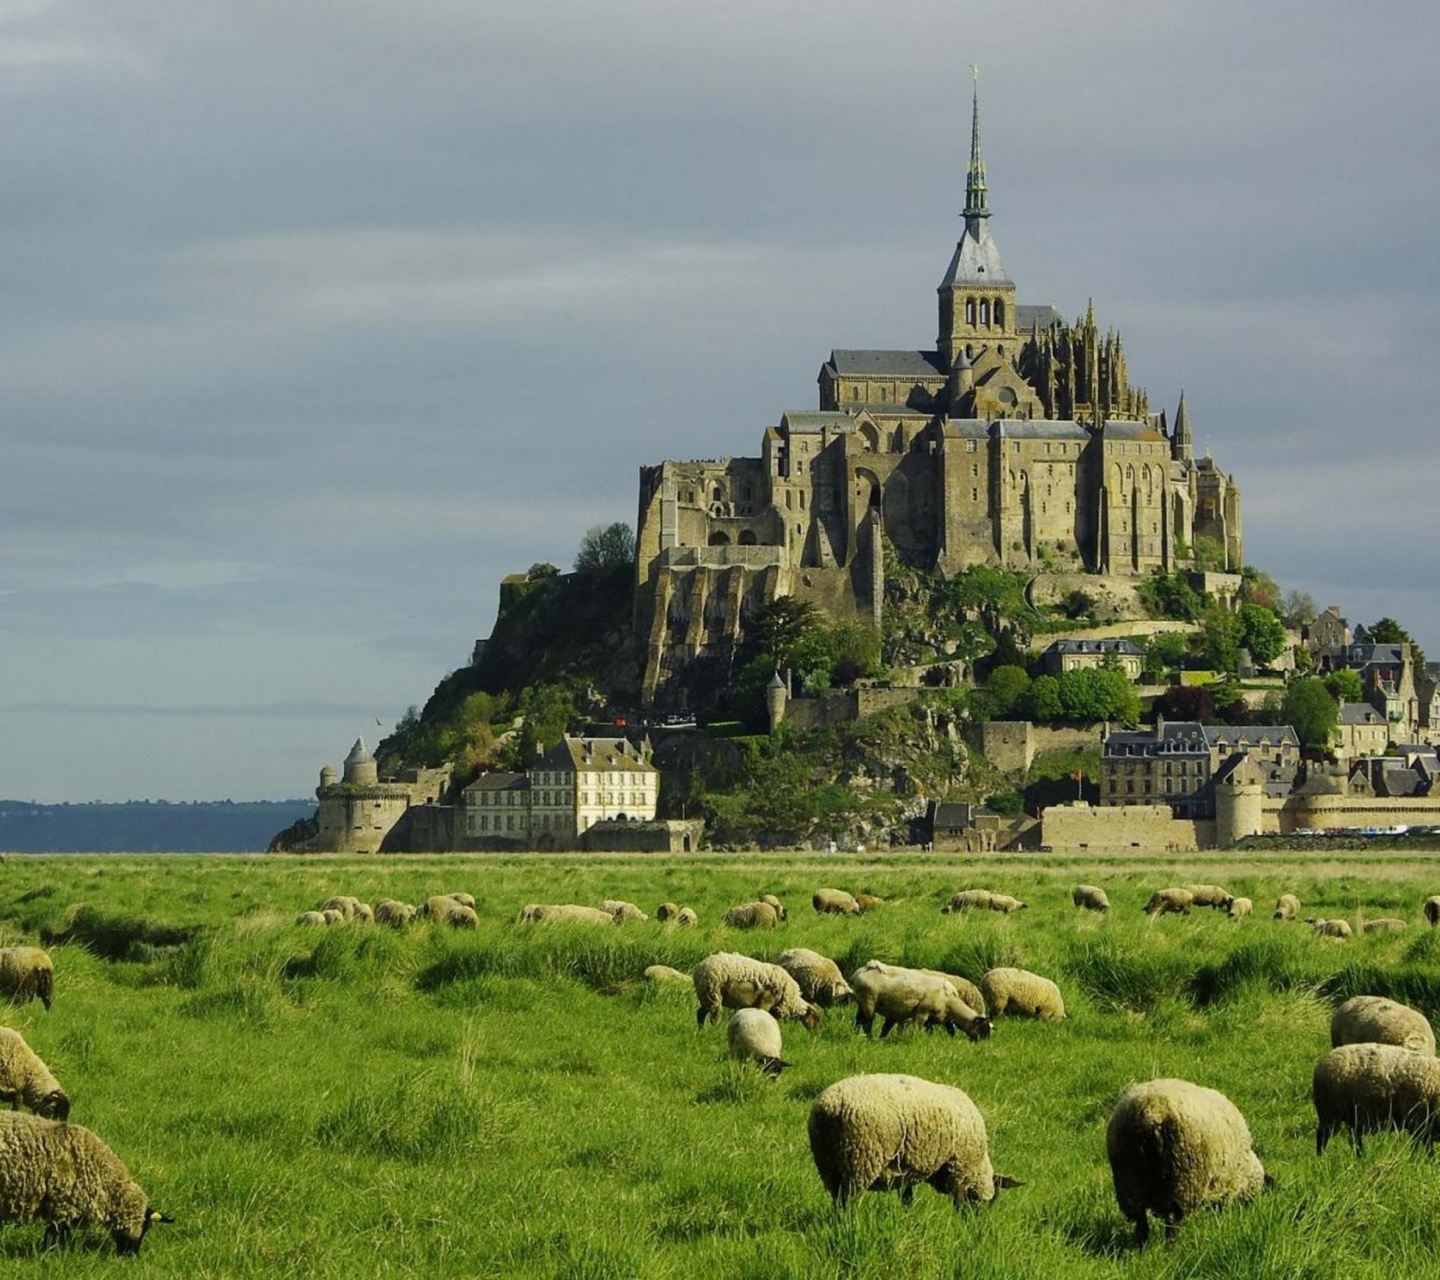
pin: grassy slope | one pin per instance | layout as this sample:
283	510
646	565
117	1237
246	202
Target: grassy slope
511	1102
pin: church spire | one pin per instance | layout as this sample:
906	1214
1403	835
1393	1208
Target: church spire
977	203
1182	442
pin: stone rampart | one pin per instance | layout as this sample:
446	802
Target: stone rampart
1151	828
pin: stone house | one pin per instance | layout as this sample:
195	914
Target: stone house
1076	655
1362	731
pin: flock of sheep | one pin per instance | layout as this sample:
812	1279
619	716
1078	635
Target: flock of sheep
1173	1146
51	1170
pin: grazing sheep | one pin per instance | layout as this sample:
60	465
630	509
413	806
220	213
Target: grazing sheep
834	902
1432	909
65	1176
819	977
1376	1086
1376	1020
892	1132
868	900
905	996
1210	895
464	899
1021	994
344	905
771	900
667	911
1240	908
1004	902
1166	901
752	915
564	913
27	972
1384	924
730	981
1287	907
443	909
395	914
333	916
969	992
1176	1147
1337	929
968	900
664	973
1090	896
687	919
312	918
624	912
364	913
25	1078
754	1036
463	917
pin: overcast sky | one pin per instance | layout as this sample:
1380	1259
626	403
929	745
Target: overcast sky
316	319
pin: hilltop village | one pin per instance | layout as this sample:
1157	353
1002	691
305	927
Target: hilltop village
980	597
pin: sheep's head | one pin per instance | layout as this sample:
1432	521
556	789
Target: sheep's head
131	1219
811	1018
55	1105
979	1029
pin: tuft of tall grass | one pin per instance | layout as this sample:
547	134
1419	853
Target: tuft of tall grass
118	937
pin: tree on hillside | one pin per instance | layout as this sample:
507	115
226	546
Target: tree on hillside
1345	686
1003	695
1165	651
1262	633
1186	702
1170	595
1309	709
1258	587
1299	609
1045	702
1220	634
606	546
775	629
1093	693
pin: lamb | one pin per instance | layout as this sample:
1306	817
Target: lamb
834	902
1287	907
667	911
364	913
754	1036
1431	909
1240	908
687	919
1384	924
771	900
464	899
891	1132
25	1078
676	917
752	915
445	910
664	973
1175	1147
65	1176
566	913
622	911
903	996
1210	895
1376	1086
1337	929
1021	994
1376	1020
333	916
731	981
27	972
396	914
868	900
311	919
819	977
1090	896
1165	901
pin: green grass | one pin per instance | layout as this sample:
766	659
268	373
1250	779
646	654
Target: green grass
516	1102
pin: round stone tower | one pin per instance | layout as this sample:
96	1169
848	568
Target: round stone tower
329	776
360	767
1239	807
776	696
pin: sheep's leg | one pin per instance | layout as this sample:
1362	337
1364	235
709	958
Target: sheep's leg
1172	1230
1142	1229
950	1027
907	1193
885	1030
1323	1133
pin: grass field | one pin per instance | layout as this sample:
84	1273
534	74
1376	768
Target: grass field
514	1102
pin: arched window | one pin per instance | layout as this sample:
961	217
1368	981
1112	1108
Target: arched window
969	313
985	311
717	494
719	539
747	538
854	393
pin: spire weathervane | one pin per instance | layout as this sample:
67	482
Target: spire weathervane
977	204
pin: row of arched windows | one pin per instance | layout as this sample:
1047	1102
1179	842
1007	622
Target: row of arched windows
985	312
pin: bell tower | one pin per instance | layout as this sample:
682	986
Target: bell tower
977	296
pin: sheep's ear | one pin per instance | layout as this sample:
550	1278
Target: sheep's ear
1003	1182
156	1215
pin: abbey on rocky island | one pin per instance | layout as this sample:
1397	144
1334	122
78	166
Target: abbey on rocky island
1018	442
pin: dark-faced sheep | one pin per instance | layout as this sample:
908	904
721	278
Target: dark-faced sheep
904	997
754	1036
894	1132
1287	907
1176	1147
727	980
25	973
752	915
24	1078
819	977
1431	910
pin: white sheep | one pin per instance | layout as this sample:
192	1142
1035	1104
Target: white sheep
67	1177
394	913
663	973
1175	1147
754	1036
1019	993
25	1078
443	909
1377	1020
347	906
904	996
1210	895
730	981
770	900
333	916
1167	901
752	915
1240	908
819	977
1431	909
1287	907
623	912
667	911
892	1132
834	902
464	899
969	992
312	919
687	919
1090	897
968	900
1336	929
1384	924
563	913
1376	1086
867	900
27	972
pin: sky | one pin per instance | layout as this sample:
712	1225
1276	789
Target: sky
315	320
